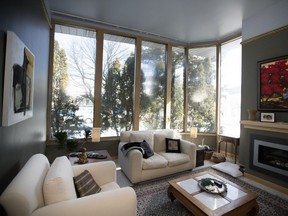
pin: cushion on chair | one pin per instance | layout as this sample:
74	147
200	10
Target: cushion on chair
148	152
58	185
173	145
85	184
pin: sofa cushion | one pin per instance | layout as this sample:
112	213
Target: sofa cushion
139	136
173	145
160	140
175	159
125	136
85	184
58	184
154	162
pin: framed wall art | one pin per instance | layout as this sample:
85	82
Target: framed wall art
273	84
18	81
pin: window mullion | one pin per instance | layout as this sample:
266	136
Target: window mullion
137	81
186	92
98	80
168	87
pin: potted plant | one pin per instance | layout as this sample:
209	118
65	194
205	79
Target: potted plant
72	145
61	136
88	134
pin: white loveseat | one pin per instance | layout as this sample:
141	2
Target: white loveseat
39	189
138	169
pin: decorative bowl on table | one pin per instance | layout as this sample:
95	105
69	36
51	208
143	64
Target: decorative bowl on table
212	186
96	155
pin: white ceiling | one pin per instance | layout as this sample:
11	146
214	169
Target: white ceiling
188	21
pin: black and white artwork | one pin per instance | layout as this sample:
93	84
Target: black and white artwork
18	81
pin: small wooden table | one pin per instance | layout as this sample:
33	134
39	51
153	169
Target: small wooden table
73	160
229	139
237	201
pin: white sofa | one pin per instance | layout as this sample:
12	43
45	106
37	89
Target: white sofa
138	169
39	189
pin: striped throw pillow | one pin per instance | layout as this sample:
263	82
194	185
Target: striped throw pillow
85	184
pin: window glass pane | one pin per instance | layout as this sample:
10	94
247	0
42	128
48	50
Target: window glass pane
177	91
202	89
117	85
230	88
152	89
73	80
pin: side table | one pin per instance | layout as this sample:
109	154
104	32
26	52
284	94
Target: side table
73	160
229	139
200	152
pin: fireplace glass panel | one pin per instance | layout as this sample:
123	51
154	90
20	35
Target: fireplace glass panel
273	157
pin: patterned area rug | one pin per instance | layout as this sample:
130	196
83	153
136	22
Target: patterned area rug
152	197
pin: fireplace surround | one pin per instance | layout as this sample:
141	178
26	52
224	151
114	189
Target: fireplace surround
269	155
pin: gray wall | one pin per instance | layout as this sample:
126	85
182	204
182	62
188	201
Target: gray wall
271	46
19	141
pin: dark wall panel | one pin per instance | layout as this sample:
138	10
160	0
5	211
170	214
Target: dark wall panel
268	47
19	141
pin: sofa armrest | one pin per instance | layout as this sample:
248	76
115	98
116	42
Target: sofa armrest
115	202
131	163
189	148
103	172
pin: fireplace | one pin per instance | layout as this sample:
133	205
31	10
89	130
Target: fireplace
269	155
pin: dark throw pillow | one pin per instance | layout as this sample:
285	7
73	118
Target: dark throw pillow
148	152
85	184
173	145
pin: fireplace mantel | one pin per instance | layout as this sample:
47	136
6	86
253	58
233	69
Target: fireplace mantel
280	127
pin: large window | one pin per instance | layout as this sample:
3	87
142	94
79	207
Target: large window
152	89
202	89
117	85
73	81
177	88
230	88
140	90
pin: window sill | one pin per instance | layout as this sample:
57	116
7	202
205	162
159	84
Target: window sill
279	127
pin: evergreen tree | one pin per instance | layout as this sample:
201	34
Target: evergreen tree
126	85
152	115
177	91
202	93
63	116
110	101
118	95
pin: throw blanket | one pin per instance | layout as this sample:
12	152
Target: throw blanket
143	147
